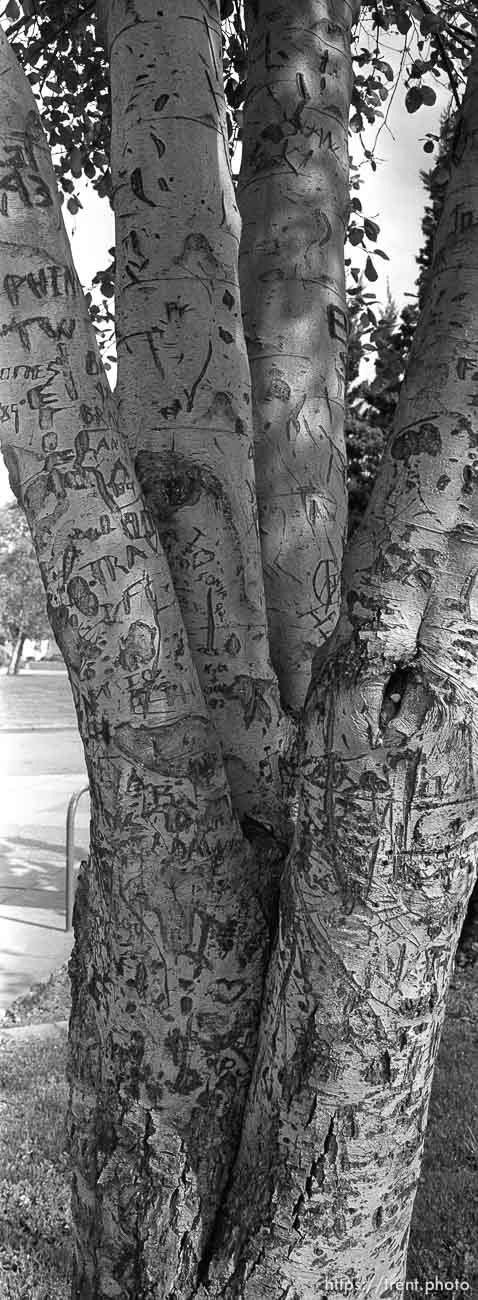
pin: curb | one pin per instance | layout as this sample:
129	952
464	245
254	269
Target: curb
21	1033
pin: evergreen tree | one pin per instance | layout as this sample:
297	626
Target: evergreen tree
435	182
371	403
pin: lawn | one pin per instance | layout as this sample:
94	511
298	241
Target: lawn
34	1216
34	1209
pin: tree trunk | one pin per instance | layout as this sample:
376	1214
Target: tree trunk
233	1139
184	389
384	859
293	198
16	656
171	935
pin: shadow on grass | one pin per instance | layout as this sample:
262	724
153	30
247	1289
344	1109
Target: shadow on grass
443	1253
34	1193
34	1197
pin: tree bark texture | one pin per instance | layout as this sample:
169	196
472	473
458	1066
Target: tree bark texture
170	932
293	198
384	859
184	390
233	1139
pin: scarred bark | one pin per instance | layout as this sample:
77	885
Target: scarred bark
385	854
183	391
293	197
170	935
183	1189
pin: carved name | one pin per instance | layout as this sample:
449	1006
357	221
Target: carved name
48	281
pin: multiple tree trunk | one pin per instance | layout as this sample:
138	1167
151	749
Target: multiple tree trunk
265	929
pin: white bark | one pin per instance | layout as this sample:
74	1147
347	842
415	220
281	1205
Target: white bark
182	1191
183	388
385	855
170	938
293	197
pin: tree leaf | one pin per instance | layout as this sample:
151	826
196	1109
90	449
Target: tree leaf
428	95
371	228
12	11
385	69
403	23
76	161
413	99
370	271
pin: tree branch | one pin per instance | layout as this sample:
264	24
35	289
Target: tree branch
293	196
168	911
182	357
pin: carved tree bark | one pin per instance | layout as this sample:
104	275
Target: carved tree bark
230	1139
184	388
293	198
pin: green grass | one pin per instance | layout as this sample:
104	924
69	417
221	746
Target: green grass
444	1239
34	1195
34	1214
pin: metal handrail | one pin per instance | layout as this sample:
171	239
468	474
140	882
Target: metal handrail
70	854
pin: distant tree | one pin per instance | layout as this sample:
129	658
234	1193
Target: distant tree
435	181
364	444
371	404
22	597
392	340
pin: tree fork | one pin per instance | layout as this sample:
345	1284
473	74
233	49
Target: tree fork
384	859
170	933
182	1191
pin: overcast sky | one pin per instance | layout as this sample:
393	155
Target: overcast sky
393	195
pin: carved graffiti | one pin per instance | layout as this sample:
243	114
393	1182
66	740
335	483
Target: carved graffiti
182	749
64	329
83	597
416	440
26	183
466	364
337	322
463	219
278	386
19	171
138	647
48	281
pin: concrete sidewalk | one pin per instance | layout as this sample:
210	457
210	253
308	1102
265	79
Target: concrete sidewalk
33	940
33	945
38	774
